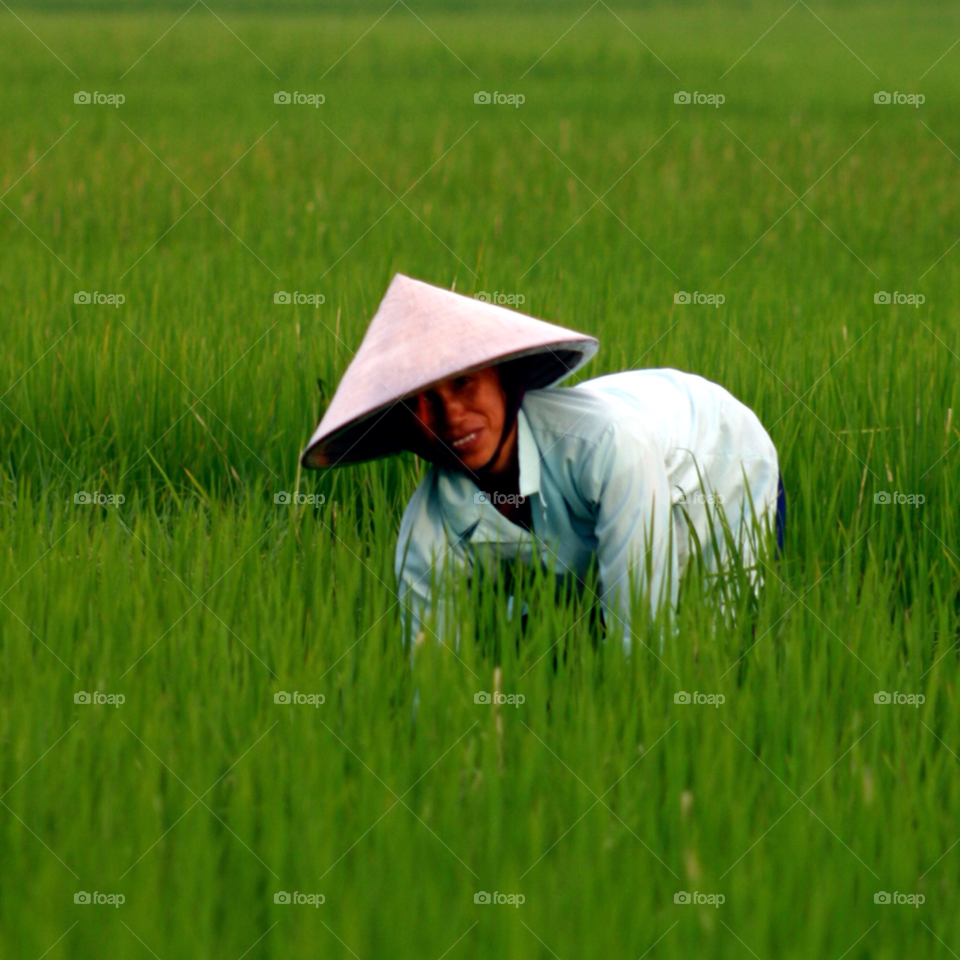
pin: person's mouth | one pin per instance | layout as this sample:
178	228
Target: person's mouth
465	443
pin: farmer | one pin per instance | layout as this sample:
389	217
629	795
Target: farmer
642	469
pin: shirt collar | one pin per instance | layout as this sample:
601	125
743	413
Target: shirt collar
529	454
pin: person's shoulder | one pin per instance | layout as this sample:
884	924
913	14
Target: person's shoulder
663	394
653	382
594	411
422	506
569	412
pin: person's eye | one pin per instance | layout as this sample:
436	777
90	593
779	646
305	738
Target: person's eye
461	382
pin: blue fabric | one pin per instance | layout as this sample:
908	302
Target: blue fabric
781	513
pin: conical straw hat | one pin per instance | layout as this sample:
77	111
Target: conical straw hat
421	335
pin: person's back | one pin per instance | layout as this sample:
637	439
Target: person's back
695	423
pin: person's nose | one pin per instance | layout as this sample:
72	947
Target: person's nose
454	412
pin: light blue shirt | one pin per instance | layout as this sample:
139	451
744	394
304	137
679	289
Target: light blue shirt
626	468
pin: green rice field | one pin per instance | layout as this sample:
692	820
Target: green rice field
162	792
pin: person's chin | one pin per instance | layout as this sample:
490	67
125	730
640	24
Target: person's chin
475	462
476	456
468	452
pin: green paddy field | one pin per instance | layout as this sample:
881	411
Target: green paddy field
196	599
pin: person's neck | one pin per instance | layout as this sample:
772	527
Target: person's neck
503	478
503	475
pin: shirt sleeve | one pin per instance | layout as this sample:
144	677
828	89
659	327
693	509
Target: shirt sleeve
625	481
413	587
423	553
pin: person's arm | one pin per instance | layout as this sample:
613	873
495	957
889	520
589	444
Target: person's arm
413	587
626	481
413	563
423	555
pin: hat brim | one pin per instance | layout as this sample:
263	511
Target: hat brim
382	432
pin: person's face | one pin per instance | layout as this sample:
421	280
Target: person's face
462	418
